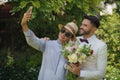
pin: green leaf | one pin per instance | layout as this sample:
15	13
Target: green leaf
23	4
36	4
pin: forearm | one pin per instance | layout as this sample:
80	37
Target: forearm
25	19
24	27
24	22
96	74
33	41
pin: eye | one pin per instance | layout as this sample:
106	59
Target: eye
67	34
84	24
63	31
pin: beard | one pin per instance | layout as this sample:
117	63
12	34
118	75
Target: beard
83	32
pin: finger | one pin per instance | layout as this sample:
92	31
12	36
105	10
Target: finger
47	38
72	65
28	19
75	64
27	16
69	68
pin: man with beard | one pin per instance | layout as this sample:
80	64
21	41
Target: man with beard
94	67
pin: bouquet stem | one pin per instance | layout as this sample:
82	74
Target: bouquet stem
71	76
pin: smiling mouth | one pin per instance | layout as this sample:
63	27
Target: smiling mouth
81	30
62	36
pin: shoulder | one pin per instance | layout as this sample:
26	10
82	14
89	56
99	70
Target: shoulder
51	41
100	43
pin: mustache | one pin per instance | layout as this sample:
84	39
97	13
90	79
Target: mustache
81	29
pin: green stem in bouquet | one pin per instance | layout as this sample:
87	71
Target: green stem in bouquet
70	76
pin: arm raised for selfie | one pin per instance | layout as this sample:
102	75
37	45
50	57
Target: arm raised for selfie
26	17
31	38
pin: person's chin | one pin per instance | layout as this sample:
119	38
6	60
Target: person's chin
61	38
81	33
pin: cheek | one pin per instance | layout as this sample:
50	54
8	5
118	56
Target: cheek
83	29
86	29
63	38
59	35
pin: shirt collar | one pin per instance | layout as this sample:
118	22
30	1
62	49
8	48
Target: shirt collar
90	39
58	41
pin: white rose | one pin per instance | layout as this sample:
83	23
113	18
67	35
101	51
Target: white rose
82	58
72	58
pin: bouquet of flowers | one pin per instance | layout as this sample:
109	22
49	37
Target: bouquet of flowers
76	54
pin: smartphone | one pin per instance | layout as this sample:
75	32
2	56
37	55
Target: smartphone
30	9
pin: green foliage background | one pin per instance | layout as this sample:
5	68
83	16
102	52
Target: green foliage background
23	62
110	33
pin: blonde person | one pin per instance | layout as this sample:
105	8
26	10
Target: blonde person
53	62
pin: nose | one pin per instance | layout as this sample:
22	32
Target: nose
82	26
63	34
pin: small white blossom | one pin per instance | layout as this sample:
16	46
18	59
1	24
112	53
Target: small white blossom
66	66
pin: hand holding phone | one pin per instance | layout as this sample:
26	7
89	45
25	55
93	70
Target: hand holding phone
29	12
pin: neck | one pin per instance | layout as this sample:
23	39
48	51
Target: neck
87	36
62	42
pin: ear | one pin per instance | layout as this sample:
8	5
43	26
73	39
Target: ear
94	29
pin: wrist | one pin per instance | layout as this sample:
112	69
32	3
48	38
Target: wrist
24	23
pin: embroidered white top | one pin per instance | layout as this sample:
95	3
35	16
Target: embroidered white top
95	66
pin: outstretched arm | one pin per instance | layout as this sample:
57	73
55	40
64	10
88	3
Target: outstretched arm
26	18
31	38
